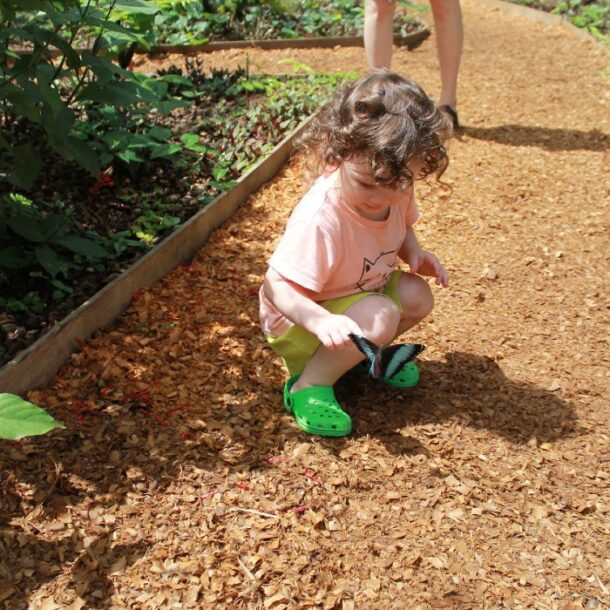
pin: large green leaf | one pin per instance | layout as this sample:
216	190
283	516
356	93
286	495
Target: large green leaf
118	93
67	16
72	57
163	151
191	141
22	103
103	67
13	257
81	245
117	28
160	133
137	6
19	418
81	152
28	228
27	165
37	230
50	261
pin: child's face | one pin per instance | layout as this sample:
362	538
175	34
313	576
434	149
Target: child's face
363	195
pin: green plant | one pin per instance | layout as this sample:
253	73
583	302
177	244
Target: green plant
197	21
590	15
150	225
30	302
50	91
587	15
31	240
20	418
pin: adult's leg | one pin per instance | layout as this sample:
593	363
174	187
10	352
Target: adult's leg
378	316
449	34
417	301
379	32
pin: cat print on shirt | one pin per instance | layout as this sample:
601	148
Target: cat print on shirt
375	273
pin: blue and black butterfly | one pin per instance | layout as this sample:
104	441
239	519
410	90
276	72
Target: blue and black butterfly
386	360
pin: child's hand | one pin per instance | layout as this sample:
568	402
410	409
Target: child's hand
334	330
423	262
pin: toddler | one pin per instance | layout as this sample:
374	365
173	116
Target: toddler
334	271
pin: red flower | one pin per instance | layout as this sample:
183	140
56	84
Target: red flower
104	181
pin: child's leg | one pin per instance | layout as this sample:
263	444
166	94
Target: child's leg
379	318
379	32
416	299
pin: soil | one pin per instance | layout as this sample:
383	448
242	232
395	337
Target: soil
181	482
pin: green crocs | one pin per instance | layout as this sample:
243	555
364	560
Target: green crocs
316	410
407	377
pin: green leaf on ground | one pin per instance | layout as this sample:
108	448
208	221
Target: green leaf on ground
20	418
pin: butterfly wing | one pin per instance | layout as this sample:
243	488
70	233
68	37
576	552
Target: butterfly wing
370	350
393	357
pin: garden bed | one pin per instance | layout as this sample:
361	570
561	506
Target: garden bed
36	365
194	22
232	121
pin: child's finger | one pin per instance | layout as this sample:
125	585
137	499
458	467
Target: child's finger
328	342
342	339
335	340
347	342
355	329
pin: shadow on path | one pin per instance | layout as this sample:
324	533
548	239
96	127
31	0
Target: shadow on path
466	386
240	432
542	137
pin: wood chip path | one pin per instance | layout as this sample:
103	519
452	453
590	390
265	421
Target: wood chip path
181	483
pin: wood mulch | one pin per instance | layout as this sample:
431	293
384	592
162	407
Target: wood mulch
181	483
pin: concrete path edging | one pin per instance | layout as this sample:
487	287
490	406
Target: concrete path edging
411	41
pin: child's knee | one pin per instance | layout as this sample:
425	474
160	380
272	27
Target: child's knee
378	316
384	320
416	297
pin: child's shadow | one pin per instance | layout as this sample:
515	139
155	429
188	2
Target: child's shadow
465	387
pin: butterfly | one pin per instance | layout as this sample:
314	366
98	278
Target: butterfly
386	360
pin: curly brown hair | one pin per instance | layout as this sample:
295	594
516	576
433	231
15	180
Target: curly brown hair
385	118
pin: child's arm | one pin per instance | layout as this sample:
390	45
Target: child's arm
298	305
421	261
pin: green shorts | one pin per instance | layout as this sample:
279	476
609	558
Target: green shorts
297	346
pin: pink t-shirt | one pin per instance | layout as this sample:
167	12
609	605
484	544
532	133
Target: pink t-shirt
330	249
